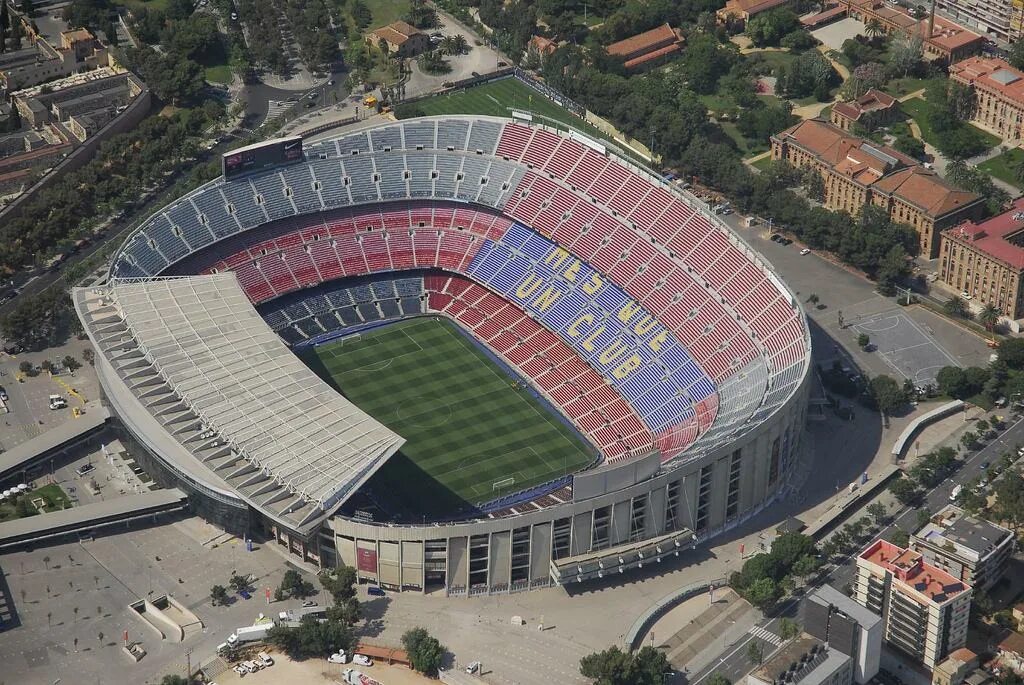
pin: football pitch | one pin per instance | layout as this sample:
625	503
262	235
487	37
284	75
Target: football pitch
494	99
470	434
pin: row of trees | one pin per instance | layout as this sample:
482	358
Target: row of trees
613	666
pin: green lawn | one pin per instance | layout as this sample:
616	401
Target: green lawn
903	86
762	164
776	60
918	108
385	11
746	147
1003	166
52	494
220	73
494	99
466	426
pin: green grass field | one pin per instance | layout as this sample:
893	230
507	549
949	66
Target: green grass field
1003	166
494	99
385	11
466	427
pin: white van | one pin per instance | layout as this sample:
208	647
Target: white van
956	493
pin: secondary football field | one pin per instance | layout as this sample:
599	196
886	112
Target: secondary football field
472	432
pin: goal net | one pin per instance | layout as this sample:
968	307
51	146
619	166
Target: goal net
502	484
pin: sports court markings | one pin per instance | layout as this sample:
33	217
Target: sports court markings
905	346
377	365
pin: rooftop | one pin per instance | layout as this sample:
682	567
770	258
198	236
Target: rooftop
815	663
910	568
871	101
1013	642
827	594
995	237
990	73
971	537
397	32
946	35
648	41
750	7
225	363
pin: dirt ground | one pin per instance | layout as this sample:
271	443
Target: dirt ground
316	671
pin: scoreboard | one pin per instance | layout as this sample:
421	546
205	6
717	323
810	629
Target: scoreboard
265	155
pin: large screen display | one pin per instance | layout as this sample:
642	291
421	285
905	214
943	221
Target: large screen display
262	156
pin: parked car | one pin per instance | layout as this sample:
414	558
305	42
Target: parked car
265	659
362	660
474	667
806	250
375	591
85	469
338	658
244	594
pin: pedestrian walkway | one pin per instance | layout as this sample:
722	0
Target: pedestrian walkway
276	108
704	633
766	635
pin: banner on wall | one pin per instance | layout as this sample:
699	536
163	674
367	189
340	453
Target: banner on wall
366	560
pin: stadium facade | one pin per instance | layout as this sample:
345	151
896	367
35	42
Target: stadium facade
666	341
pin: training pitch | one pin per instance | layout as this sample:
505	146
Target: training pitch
468	425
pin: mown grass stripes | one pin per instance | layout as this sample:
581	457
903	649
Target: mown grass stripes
465	424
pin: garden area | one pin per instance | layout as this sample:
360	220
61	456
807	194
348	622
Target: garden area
1007	167
952	137
385	11
50	497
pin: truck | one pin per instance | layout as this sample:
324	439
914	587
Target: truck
249	634
354	677
956	493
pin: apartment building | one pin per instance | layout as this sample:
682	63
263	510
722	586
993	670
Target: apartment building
996	19
998	92
986	260
971	549
857	172
846	626
40	62
924	610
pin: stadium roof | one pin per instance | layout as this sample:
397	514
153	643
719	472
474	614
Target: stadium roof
221	359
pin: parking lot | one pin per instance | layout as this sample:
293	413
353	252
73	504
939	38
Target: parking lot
71	601
28	397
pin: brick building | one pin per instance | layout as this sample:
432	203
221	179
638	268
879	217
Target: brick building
402	38
870	110
942	38
737	13
998	91
649	48
986	260
857	172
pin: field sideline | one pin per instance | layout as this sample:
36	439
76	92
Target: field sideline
465	424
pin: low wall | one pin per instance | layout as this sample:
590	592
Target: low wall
644	622
920	422
127	120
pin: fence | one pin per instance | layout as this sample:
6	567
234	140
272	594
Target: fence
645	620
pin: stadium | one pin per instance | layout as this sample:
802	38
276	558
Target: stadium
464	353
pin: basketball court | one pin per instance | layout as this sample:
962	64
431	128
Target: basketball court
907	349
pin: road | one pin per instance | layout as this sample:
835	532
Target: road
733	662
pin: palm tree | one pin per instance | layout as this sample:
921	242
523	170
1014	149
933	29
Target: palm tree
955	306
873	29
989	316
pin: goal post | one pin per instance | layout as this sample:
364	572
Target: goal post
503	483
354	338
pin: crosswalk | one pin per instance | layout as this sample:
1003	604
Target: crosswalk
276	108
766	635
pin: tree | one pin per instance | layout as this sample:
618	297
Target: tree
805	566
455	44
718	679
788	628
863	340
878	512
1016	56
953	382
904	491
218	595
873	28
311	638
340	582
768	28
763	593
239	582
755	652
922	516
905	55
969	439
612	666
425	652
989	316
294	585
433	62
888	394
899	537
955	306
173	680
1009	504
1011	351
89	356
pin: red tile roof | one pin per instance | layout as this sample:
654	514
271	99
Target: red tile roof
911	569
979	71
925	189
648	41
750	8
992	237
946	35
397	33
871	101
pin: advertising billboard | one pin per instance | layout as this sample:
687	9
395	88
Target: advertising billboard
260	156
